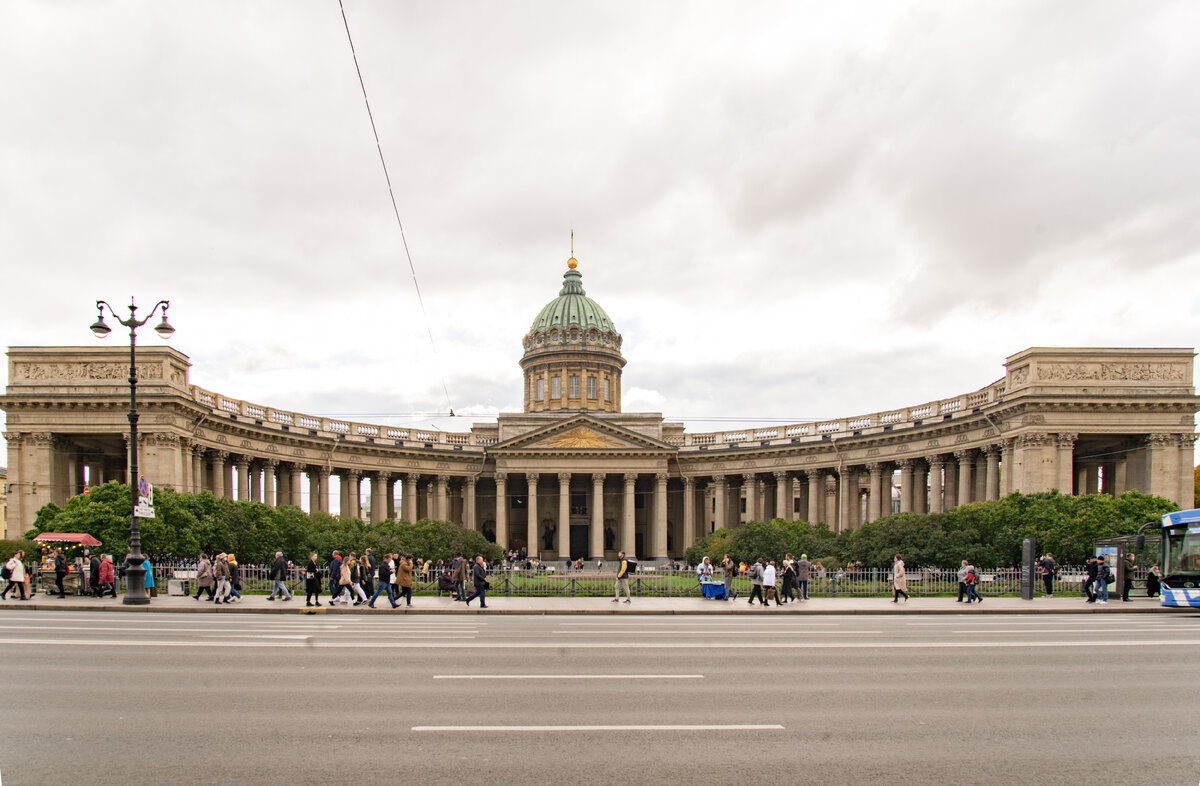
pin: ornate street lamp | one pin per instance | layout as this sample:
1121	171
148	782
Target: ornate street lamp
135	574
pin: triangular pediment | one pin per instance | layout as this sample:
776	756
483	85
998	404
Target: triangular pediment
582	433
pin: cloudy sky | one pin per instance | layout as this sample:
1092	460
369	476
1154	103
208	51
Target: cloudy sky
791	210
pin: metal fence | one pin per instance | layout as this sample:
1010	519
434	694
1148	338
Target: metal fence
552	581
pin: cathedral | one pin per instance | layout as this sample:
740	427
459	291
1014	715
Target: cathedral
573	476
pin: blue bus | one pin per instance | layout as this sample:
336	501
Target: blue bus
1180	557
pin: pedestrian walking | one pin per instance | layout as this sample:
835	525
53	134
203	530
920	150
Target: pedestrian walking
60	572
756	582
278	576
312	582
622	579
14	573
1127	576
149	584
404	578
769	584
899	580
973	585
479	579
788	579
730	570
221	576
108	576
1049	569
1089	583
1153	581
94	576
1103	576
803	570
962	583
367	569
385	583
335	577
204	578
235	579
459	575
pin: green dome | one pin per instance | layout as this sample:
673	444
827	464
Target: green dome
572	308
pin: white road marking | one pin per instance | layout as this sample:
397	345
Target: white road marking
713	632
699	645
568	676
630	727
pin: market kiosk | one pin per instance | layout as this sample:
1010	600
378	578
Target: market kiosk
74	546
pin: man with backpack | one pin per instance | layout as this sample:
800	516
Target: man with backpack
1049	568
756	582
622	579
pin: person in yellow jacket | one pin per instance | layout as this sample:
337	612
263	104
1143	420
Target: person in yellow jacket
622	579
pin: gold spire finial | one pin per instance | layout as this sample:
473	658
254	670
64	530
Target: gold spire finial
572	262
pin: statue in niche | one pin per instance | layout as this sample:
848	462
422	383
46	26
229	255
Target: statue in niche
610	539
548	537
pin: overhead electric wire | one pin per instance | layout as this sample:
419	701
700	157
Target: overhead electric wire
395	208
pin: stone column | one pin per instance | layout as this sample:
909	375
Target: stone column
689	513
564	511
848	497
596	532
935	483
254	472
314	491
751	500
1065	459
470	521
1187	489
1162	465
379	484
269	467
501	510
980	492
964	476
721	495
906	485
532	544
875	493
443	508
218	473
344	494
629	517
816	496
295	486
993	472
783	496
658	530
355	494
243	477
1006	466
409	502
324	478
950	484
831	500
1092	477
920	487
1121	475
197	469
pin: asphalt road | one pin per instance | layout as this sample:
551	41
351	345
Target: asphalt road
124	697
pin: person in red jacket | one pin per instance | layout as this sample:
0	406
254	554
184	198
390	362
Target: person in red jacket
108	577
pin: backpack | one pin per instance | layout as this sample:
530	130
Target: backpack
6	572
631	563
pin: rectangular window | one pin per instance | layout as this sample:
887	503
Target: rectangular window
574	385
541	390
606	390
591	387
555	387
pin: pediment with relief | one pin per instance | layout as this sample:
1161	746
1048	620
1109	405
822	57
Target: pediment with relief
578	438
581	433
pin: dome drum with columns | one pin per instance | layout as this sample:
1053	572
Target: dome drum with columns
572	358
572	476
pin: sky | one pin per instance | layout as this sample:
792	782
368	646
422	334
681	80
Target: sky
790	210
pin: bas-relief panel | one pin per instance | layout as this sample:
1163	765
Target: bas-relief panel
1112	372
117	372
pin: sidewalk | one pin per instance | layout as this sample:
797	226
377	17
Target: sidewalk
499	604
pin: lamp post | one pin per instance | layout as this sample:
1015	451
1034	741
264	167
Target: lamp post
135	574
